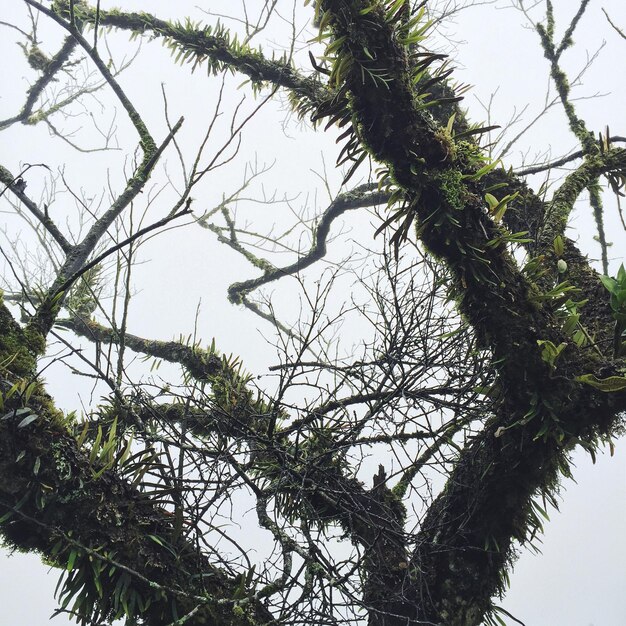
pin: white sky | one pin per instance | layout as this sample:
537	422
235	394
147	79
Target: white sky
580	578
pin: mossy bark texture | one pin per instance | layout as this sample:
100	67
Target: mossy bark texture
466	539
126	548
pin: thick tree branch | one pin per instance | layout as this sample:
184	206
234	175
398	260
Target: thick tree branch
546	398
52	502
490	490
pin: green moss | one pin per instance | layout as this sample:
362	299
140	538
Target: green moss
452	190
18	350
37	59
445	139
468	155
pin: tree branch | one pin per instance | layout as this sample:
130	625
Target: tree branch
214	46
52	67
44	219
359	197
44	318
477	507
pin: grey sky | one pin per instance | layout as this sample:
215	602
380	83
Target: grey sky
581	577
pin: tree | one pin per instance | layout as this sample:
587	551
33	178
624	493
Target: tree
491	347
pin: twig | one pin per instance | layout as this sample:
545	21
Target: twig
140	233
355	199
619	31
10	181
536	169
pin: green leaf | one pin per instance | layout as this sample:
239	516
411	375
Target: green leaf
83	435
156	540
15	413
579	338
450	123
550	352
29	391
476	131
482	171
571	323
491	200
543	431
609	385
72	560
93	455
558	245
28	420
609	283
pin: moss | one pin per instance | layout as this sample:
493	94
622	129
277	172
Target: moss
37	59
468	155
451	188
18	350
445	139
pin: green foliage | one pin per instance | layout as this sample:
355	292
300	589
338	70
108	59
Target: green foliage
35	56
557	295
452	189
569	316
107	450
608	385
617	288
506	237
482	171
94	588
498	208
549	352
83	297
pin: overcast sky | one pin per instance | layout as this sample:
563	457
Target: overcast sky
581	577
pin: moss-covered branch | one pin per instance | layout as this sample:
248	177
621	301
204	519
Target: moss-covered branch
356	198
49	68
585	176
466	538
101	529
198	44
590	147
305	481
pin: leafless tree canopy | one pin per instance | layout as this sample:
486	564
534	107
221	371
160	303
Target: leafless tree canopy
427	385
